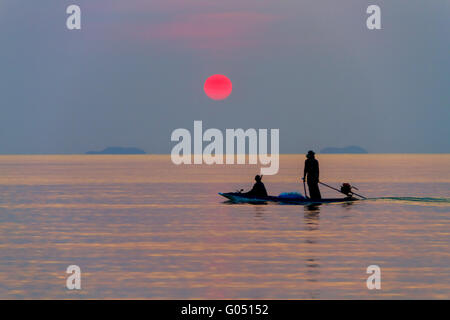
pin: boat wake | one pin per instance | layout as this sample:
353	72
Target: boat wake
416	199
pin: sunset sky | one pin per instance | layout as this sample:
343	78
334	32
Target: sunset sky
135	72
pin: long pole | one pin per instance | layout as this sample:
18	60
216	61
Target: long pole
340	190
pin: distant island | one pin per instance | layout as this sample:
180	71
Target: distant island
349	149
118	150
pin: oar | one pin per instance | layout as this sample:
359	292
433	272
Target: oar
341	191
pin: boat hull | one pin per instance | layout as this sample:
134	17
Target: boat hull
243	198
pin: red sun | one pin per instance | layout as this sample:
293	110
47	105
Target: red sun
218	87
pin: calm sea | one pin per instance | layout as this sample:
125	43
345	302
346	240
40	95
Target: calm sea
141	227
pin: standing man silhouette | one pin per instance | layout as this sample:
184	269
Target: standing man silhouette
311	173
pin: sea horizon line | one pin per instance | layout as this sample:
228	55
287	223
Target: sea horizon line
221	154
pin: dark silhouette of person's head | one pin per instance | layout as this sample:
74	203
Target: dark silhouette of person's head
258	178
310	154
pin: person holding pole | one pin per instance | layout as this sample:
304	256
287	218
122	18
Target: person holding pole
311	174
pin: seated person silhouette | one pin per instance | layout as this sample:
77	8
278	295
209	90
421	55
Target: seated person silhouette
258	190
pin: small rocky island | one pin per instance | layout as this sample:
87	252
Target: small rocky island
349	149
118	150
